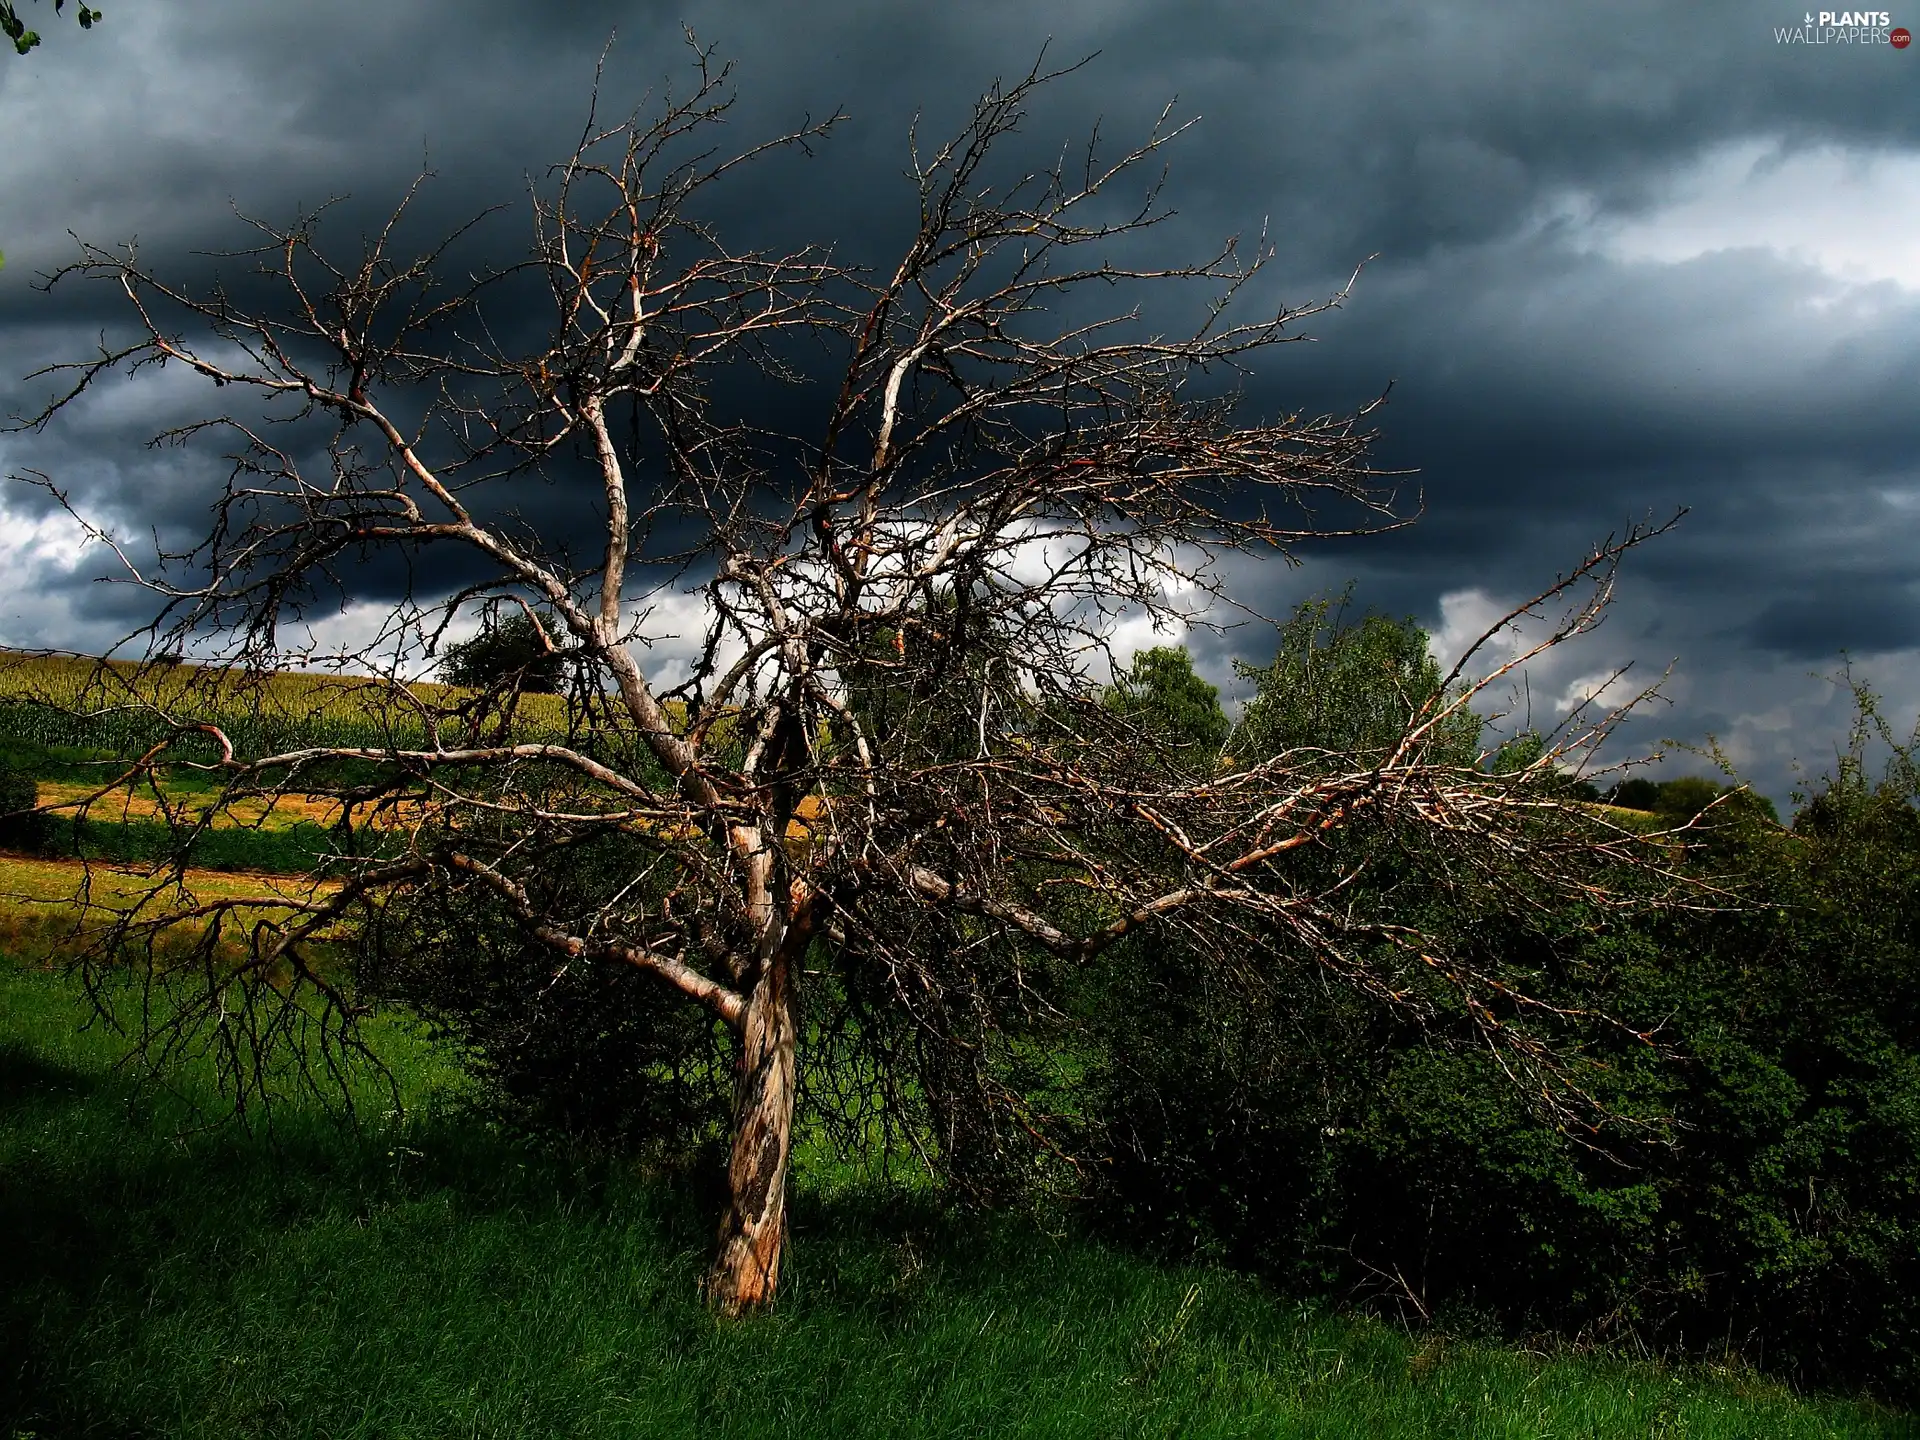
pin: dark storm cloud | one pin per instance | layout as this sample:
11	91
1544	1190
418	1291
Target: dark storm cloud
1548	388
1848	611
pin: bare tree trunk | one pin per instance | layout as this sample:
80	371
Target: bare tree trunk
747	1267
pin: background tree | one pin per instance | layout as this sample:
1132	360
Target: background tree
1252	1112
22	827
512	652
1161	692
1686	798
888	760
1343	686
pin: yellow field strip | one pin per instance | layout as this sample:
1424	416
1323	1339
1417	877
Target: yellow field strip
25	881
51	908
253	812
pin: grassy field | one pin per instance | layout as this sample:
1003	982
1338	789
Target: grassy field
428	1275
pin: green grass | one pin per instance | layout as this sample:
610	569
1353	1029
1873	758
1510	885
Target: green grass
291	850
427	1275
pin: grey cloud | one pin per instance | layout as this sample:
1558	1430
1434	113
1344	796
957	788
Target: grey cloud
1546	392
1850	613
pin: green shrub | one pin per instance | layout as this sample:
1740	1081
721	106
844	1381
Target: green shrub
1758	1184
1295	1132
586	1049
21	828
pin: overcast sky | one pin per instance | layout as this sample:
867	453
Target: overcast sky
1631	258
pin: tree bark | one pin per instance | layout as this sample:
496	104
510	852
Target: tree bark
747	1267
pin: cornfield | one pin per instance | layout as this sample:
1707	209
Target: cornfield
124	709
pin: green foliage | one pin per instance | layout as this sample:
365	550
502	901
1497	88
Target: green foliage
15	29
1788	1206
20	828
1687	796
1684	798
1161	693
1297	1131
1338	685
581	1049
1525	749
1255	1112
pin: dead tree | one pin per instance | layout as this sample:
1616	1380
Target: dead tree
904	615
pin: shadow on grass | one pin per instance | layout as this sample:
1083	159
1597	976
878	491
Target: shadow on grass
122	1220
27	1078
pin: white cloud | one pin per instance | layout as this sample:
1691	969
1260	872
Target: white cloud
1853	214
35	542
1579	675
1466	615
39	555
